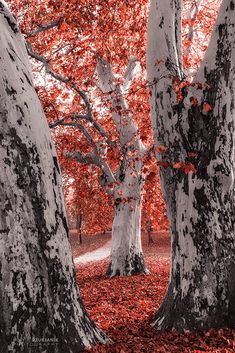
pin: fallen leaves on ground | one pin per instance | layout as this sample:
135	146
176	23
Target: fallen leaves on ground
124	308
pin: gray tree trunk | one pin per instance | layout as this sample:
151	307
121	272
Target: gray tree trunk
201	292
40	304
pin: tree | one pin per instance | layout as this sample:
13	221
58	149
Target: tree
194	121
123	178
40	302
126	184
115	147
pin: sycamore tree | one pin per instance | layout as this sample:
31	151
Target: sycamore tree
40	304
124	183
72	41
193	121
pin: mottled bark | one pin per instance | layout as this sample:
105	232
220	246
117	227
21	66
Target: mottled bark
126	253
200	205
40	305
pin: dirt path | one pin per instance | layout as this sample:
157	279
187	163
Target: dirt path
160	250
96	255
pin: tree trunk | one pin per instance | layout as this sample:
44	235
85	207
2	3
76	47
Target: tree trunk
126	252
200	205
40	305
149	232
201	292
79	226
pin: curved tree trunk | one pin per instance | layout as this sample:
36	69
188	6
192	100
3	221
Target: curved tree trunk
201	291
40	303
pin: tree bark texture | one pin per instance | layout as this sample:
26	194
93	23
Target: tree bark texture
40	305
200	204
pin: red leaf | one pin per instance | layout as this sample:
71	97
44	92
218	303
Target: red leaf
207	107
160	149
195	102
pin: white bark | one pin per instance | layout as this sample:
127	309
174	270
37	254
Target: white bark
39	295
126	254
200	205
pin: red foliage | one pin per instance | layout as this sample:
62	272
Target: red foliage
154	210
185	167
117	32
124	307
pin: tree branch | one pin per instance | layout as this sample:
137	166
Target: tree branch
43	28
82	129
92	158
60	78
46	65
88	116
75	116
121	114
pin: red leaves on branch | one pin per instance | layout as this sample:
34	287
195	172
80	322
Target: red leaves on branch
63	27
163	164
185	167
195	102
207	107
161	149
151	176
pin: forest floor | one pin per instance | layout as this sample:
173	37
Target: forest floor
124	307
89	242
95	255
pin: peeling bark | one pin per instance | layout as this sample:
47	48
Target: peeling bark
200	205
40	304
126	253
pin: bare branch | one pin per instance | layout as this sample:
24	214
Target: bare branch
92	158
73	117
82	129
81	93
43	28
46	65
